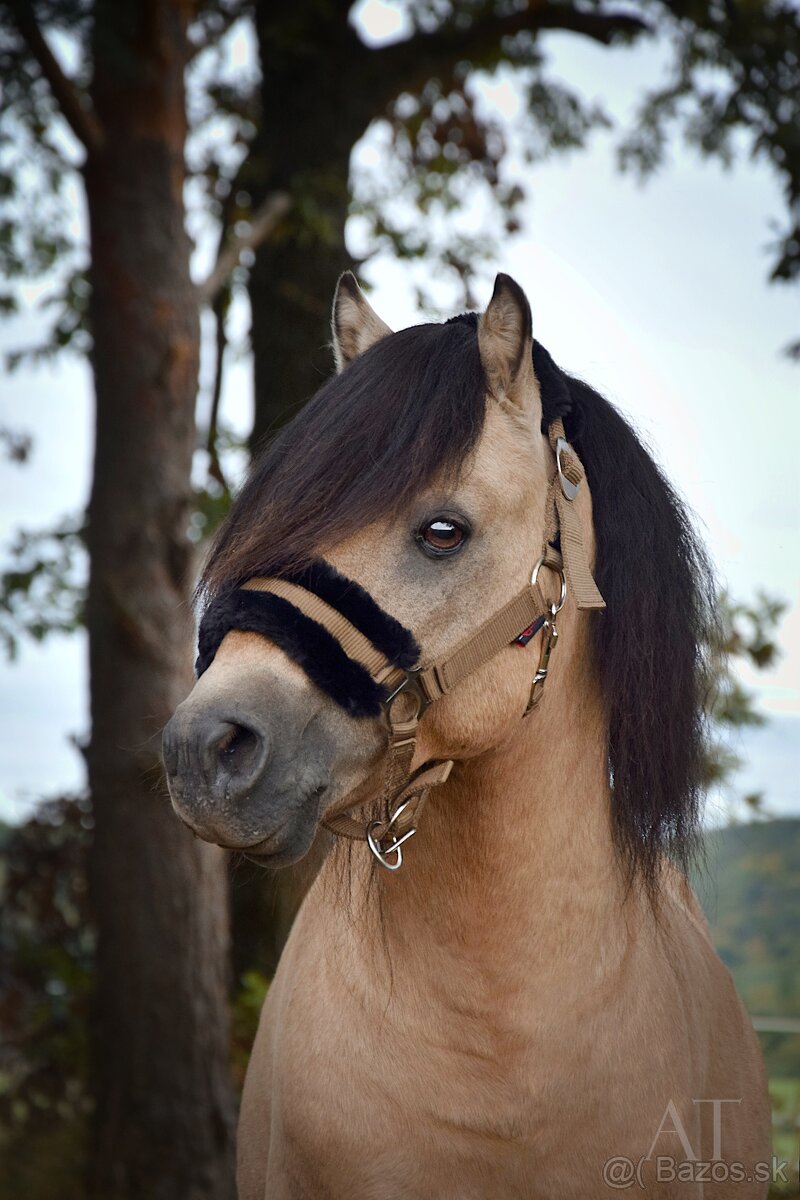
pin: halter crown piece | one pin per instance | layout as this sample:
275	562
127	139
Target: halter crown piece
369	663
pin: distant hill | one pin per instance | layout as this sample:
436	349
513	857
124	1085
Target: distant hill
750	890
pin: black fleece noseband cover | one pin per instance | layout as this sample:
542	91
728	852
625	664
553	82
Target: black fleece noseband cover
308	643
353	602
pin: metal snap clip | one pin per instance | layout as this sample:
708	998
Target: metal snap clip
549	641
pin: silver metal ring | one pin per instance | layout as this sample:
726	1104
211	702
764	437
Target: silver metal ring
554	608
382	852
396	847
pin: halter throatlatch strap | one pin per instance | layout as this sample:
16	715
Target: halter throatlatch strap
405	690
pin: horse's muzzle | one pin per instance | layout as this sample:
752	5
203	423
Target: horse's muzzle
229	786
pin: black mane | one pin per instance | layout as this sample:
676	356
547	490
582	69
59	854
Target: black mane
414	405
651	642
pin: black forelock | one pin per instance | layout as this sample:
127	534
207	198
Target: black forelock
410	408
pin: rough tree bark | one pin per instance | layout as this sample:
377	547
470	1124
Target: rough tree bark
316	106
164	1115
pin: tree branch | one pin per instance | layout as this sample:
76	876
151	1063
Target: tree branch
219	308
261	226
72	102
408	64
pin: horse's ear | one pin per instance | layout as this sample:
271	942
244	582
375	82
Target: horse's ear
355	325
505	341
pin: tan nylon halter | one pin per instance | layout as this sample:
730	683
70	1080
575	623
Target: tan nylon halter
410	692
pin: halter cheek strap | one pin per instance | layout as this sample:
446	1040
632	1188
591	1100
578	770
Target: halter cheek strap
562	524
368	662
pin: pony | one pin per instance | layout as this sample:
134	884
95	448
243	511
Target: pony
457	599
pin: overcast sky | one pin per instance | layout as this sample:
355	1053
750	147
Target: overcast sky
657	296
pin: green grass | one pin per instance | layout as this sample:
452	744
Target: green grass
785	1096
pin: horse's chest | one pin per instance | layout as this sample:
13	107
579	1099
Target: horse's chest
373	1108
388	1123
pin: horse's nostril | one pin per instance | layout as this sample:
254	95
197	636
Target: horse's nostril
238	748
209	755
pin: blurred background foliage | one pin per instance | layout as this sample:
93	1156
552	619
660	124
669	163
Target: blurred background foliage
275	171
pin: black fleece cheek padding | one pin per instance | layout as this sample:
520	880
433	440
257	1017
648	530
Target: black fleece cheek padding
305	641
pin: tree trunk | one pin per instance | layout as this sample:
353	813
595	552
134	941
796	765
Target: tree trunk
164	1107
291	292
316	103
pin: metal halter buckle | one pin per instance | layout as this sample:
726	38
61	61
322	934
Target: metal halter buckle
569	488
380	851
411	685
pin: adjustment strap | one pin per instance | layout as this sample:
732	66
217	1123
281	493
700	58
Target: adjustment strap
561	519
402	743
414	795
497	632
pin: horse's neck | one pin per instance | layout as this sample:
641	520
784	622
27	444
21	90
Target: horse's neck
513	869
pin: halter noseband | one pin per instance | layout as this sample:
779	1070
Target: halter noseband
369	663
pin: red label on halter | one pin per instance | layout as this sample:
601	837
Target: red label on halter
523	638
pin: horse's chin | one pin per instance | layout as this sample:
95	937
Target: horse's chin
275	852
286	843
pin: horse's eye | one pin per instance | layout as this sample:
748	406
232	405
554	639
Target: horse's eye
443	535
